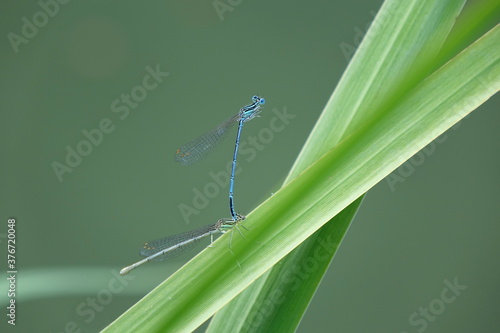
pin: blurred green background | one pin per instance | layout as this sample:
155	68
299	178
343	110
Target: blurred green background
435	219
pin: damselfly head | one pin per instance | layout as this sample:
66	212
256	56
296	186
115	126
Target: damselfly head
258	99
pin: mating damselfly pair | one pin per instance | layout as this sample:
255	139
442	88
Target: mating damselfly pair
190	153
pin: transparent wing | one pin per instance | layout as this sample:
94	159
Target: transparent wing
155	246
199	148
